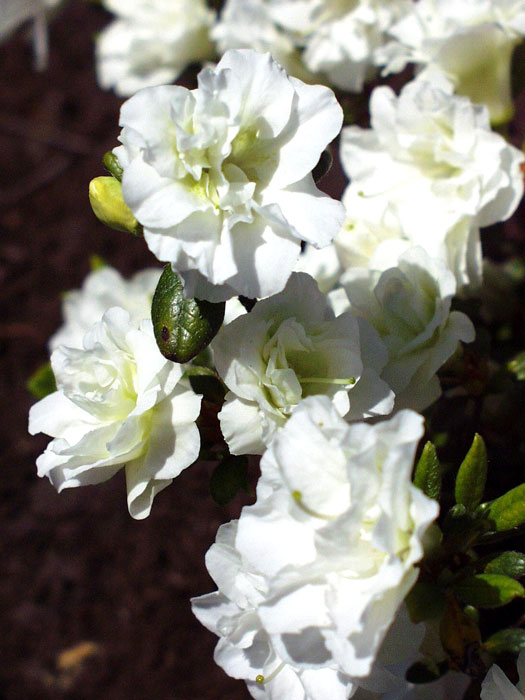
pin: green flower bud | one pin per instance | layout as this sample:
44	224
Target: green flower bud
105	196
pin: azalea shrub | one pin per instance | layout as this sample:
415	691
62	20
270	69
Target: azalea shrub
360	359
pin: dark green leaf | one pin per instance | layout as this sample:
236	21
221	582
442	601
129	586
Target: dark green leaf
508	564
427	476
425	601
472	475
510	641
228	478
426	671
508	511
488	590
183	327
42	382
112	165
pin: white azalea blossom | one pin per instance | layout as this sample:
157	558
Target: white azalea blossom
151	42
339	38
119	403
288	347
249	24
313	575
496	685
102	289
470	41
373	237
220	177
409	306
323	265
431	164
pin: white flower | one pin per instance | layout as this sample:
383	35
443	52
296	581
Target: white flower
330	548
249	24
431	161
220	177
339	38
119	404
323	265
497	686
288	347
102	289
373	236
151	42
409	306
245	649
470	41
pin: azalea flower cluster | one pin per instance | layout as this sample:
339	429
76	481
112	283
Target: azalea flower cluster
342	44
353	313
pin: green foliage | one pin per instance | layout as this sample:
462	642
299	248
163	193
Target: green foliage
425	601
228	478
508	641
488	590
112	165
508	511
517	366
427	476
472	475
508	564
183	327
42	382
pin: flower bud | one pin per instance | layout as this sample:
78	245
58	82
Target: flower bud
105	196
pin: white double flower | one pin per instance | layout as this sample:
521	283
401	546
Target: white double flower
220	177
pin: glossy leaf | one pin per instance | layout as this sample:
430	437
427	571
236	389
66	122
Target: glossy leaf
510	641
508	511
508	564
427	476
112	165
183	327
488	590
472	475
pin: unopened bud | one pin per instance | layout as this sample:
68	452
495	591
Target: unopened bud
105	196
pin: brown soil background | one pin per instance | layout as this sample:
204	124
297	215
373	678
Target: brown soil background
76	568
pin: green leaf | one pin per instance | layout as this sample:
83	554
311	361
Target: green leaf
508	564
517	366
472	475
488	590
42	382
509	641
183	327
425	601
427	476
228	478
110	162
426	671
508	511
